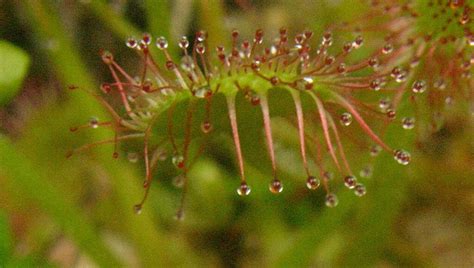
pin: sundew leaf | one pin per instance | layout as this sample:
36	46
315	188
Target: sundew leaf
14	65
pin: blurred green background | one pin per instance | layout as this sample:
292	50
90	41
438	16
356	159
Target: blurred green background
78	212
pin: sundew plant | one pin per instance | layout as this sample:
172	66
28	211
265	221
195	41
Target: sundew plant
236	133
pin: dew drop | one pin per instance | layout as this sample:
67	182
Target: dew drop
358	42
187	64
94	122
275	186
402	77
105	87
132	157
396	72
419	86
146	39
137	209
391	114
179	216
470	40
464	19
375	84
346	119
306	83
178	181
243	189
341	68
255	100
131	42
312	183
183	42
327	39
408	122
384	104
274	80
387	49
439	84
107	57
375	150
200	48
350	181
347	47
331	200
201	36
373	62
258	36
402	157
299	39
366	172
360	190
203	92
161	43
178	160
206	127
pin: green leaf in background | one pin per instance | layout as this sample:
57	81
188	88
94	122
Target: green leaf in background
5	238
14	64
20	172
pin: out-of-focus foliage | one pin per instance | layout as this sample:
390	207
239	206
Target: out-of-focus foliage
78	211
13	68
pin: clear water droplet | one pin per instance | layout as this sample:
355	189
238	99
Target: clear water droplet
373	62
402	157
376	84
350	181
178	181
387	49
331	200
137	209
178	160
366	172
183	42
206	127
360	190
94	122
244	189
306	83
161	43
146	39
346	119
203	92
200	48
408	122
132	157
358	42
384	104
312	183
419	86
391	114
131	42
375	150
470	40
275	186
